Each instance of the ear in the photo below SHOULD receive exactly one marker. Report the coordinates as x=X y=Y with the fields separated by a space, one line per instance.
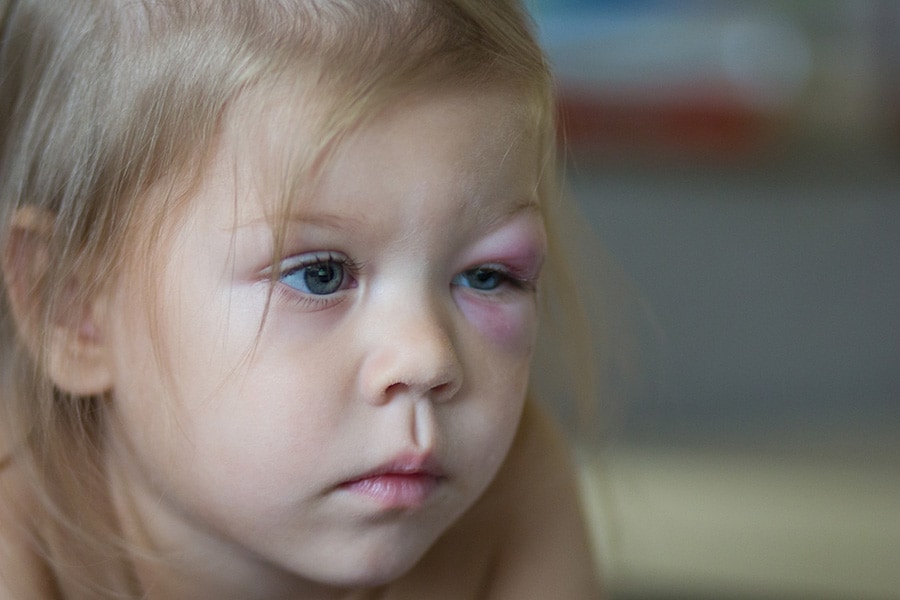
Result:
x=60 y=332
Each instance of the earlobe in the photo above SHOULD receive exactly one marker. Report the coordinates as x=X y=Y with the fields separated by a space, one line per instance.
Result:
x=77 y=358
x=60 y=329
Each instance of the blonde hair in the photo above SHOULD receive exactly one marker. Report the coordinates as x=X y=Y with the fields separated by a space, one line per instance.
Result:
x=102 y=100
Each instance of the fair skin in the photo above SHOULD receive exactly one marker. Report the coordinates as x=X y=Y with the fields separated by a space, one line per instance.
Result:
x=369 y=433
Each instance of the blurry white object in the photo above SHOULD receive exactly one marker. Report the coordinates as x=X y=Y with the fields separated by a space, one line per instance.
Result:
x=646 y=57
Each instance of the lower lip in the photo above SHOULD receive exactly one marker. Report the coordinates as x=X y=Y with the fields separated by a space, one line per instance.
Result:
x=395 y=491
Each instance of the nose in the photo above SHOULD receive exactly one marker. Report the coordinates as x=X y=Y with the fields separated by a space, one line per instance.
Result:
x=411 y=352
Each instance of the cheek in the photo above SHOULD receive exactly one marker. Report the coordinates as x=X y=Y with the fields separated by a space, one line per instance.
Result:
x=508 y=325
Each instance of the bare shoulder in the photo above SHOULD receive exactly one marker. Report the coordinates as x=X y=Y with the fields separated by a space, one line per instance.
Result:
x=545 y=551
x=524 y=539
x=22 y=574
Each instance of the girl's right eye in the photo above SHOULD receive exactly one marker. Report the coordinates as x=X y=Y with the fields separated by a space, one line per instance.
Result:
x=317 y=274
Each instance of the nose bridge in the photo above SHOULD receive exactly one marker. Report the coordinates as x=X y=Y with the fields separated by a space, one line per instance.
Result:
x=412 y=349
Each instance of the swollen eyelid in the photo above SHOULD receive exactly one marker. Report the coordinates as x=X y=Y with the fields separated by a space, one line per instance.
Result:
x=483 y=279
x=519 y=247
x=493 y=279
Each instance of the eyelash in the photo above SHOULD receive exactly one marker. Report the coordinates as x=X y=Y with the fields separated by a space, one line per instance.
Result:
x=308 y=299
x=509 y=280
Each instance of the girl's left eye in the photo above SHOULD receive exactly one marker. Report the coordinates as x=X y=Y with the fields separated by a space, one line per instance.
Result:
x=483 y=279
x=316 y=274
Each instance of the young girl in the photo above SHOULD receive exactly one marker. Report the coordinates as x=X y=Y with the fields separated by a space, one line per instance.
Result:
x=273 y=271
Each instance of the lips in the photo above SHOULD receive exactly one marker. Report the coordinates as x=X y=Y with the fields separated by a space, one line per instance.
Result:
x=405 y=483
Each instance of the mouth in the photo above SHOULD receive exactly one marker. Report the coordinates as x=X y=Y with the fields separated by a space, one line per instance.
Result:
x=406 y=483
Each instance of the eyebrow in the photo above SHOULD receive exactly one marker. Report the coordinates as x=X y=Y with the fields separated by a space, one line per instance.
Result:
x=523 y=205
x=338 y=222
x=324 y=220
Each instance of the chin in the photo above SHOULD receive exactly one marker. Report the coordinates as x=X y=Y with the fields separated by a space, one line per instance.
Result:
x=378 y=568
x=368 y=578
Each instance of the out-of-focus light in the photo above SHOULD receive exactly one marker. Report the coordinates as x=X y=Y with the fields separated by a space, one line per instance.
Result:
x=658 y=58
x=769 y=62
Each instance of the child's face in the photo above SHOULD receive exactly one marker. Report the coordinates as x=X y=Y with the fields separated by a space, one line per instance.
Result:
x=384 y=389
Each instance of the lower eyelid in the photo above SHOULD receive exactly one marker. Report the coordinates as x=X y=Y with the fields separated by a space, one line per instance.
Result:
x=510 y=285
x=307 y=302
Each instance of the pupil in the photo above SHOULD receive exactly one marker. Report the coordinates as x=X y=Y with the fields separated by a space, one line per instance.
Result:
x=485 y=279
x=323 y=278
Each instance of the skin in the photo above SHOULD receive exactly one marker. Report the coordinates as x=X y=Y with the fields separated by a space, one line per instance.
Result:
x=237 y=443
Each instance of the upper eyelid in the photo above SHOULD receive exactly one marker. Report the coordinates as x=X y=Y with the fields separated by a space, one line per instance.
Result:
x=309 y=258
x=509 y=271
x=299 y=260
x=509 y=276
x=498 y=268
x=280 y=272
x=295 y=261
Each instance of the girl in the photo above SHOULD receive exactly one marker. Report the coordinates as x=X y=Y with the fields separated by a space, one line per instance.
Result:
x=272 y=270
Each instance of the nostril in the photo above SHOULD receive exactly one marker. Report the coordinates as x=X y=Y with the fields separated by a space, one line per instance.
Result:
x=444 y=391
x=420 y=361
x=394 y=389
x=440 y=391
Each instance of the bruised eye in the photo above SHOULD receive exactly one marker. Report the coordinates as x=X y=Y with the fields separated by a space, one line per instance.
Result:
x=316 y=275
x=483 y=279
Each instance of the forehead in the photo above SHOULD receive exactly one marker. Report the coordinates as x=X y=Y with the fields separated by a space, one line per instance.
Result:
x=293 y=154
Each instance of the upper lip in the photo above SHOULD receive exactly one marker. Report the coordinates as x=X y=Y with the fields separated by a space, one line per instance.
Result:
x=404 y=464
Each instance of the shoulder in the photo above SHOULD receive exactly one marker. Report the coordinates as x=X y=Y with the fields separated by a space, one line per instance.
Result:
x=545 y=549
x=524 y=538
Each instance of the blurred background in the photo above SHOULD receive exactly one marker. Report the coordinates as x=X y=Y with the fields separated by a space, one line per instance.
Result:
x=741 y=162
